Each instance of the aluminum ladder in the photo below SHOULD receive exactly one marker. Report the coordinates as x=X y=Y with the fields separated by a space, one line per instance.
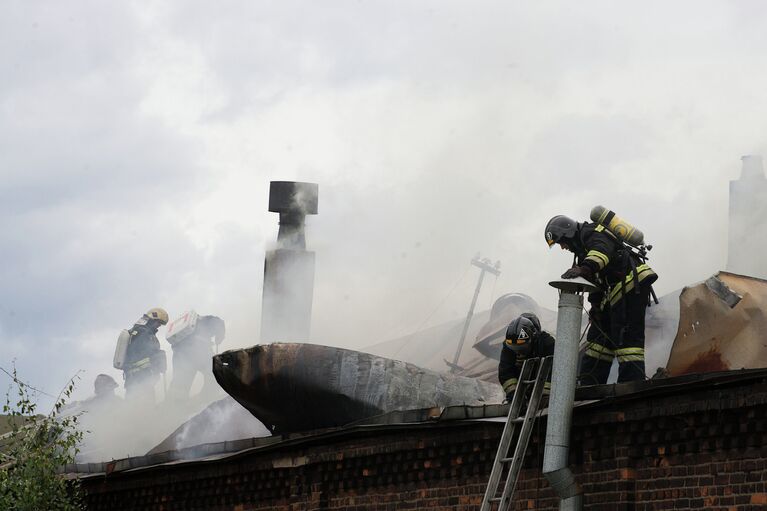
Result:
x=502 y=458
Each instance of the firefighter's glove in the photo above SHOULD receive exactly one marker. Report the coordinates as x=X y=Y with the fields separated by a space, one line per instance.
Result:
x=578 y=271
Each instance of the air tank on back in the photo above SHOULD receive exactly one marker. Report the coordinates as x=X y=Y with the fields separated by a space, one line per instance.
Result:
x=622 y=230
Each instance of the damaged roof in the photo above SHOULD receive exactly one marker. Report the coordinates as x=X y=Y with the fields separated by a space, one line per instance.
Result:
x=588 y=398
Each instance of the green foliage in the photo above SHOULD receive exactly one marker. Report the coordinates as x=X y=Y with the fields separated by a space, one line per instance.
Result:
x=34 y=451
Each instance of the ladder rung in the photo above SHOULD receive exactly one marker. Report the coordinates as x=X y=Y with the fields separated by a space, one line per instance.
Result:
x=517 y=420
x=495 y=499
x=528 y=381
x=506 y=460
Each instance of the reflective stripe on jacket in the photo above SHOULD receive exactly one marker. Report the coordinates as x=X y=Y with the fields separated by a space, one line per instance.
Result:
x=611 y=262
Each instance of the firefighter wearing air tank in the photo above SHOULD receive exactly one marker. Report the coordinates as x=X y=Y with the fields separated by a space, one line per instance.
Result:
x=144 y=360
x=603 y=255
x=192 y=337
x=524 y=339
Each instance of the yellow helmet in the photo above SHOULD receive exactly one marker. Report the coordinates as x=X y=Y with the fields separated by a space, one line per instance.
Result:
x=158 y=314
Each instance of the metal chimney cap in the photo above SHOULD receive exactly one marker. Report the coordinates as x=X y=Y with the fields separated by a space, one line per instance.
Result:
x=293 y=197
x=576 y=285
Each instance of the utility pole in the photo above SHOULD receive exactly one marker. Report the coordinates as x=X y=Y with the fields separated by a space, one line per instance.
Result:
x=485 y=265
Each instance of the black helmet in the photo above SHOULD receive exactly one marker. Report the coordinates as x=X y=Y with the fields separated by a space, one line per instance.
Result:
x=519 y=335
x=560 y=228
x=532 y=317
x=104 y=384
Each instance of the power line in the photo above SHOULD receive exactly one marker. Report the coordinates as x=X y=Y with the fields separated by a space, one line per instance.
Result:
x=15 y=379
x=441 y=303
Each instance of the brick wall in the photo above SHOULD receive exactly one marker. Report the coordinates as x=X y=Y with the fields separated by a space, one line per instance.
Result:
x=693 y=449
x=435 y=467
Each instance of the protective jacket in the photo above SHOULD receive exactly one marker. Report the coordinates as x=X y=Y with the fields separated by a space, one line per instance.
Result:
x=616 y=269
x=510 y=366
x=617 y=312
x=143 y=348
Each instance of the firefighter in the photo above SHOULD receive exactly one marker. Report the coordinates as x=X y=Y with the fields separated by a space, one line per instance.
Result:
x=104 y=397
x=524 y=339
x=104 y=387
x=193 y=354
x=617 y=312
x=144 y=360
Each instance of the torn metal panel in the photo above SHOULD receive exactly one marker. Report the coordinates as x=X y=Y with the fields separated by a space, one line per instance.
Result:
x=221 y=421
x=295 y=387
x=724 y=293
x=722 y=326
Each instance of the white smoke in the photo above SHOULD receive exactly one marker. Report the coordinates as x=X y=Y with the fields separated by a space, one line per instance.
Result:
x=747 y=228
x=118 y=428
x=142 y=167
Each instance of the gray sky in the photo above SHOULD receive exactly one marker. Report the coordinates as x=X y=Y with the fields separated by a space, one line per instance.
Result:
x=137 y=141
